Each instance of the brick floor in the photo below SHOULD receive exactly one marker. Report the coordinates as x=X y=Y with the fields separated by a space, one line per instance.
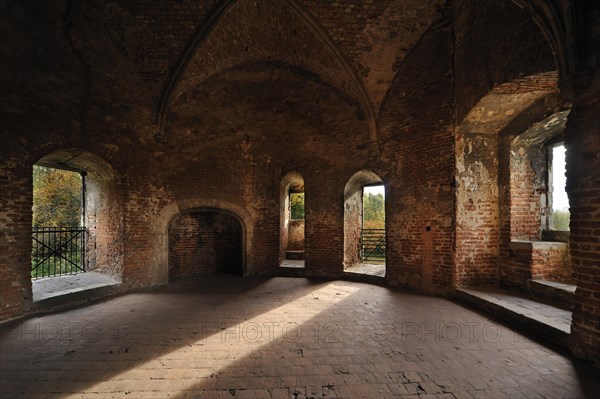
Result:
x=232 y=337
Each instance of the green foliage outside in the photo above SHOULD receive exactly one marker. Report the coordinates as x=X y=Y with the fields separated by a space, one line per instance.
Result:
x=56 y=203
x=56 y=197
x=373 y=211
x=560 y=220
x=53 y=266
x=297 y=206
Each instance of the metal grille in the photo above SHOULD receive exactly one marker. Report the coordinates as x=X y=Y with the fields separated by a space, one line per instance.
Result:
x=372 y=245
x=57 y=251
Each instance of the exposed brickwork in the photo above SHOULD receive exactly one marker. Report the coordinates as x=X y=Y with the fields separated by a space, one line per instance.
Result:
x=324 y=223
x=234 y=42
x=166 y=28
x=376 y=35
x=539 y=82
x=15 y=237
x=296 y=235
x=144 y=264
x=525 y=204
x=291 y=182
x=523 y=51
x=527 y=184
x=416 y=137
x=205 y=242
x=353 y=214
x=534 y=260
x=582 y=140
x=551 y=261
x=477 y=211
x=501 y=179
x=279 y=86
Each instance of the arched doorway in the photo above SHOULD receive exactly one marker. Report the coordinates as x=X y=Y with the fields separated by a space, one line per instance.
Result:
x=205 y=241
x=77 y=223
x=291 y=230
x=364 y=224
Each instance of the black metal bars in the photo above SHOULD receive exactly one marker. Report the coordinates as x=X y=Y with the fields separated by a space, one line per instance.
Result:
x=372 y=245
x=57 y=251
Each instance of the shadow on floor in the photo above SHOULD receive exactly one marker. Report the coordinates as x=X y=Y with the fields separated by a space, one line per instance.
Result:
x=226 y=336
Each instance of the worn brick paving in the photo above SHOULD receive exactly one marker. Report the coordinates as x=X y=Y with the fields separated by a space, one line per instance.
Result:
x=230 y=337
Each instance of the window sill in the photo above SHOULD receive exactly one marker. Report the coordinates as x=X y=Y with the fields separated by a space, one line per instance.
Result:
x=537 y=245
x=556 y=235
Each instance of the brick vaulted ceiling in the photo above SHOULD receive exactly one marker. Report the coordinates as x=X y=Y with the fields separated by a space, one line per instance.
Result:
x=353 y=47
x=164 y=69
x=372 y=36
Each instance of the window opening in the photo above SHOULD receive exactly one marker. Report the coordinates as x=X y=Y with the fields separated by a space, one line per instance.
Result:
x=558 y=201
x=296 y=206
x=373 y=224
x=58 y=232
x=292 y=221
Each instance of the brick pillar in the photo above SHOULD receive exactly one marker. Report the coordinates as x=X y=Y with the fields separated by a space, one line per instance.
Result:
x=16 y=198
x=582 y=140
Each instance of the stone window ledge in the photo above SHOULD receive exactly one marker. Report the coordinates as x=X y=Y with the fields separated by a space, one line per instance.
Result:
x=516 y=245
x=556 y=235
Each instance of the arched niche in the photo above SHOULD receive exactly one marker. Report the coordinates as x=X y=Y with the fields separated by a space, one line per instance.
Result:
x=103 y=210
x=205 y=240
x=502 y=185
x=291 y=229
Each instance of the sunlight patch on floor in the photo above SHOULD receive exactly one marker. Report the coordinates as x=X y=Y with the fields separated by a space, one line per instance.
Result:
x=221 y=345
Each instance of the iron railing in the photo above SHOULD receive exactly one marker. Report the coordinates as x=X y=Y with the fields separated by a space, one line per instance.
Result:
x=57 y=251
x=372 y=245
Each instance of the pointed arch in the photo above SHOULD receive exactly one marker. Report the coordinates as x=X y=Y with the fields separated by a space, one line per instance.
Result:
x=352 y=84
x=552 y=25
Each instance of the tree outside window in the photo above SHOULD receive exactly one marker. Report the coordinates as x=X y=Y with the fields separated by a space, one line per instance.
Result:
x=296 y=206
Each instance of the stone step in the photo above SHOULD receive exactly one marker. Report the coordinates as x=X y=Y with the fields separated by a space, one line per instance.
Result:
x=78 y=297
x=546 y=321
x=555 y=293
x=65 y=291
x=294 y=255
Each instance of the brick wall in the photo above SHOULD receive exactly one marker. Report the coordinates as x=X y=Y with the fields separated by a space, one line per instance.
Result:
x=527 y=260
x=90 y=75
x=353 y=213
x=481 y=68
x=500 y=179
x=205 y=242
x=523 y=155
x=417 y=138
x=15 y=237
x=291 y=182
x=324 y=222
x=104 y=220
x=582 y=140
x=376 y=35
x=528 y=169
x=296 y=235
x=551 y=261
x=477 y=211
